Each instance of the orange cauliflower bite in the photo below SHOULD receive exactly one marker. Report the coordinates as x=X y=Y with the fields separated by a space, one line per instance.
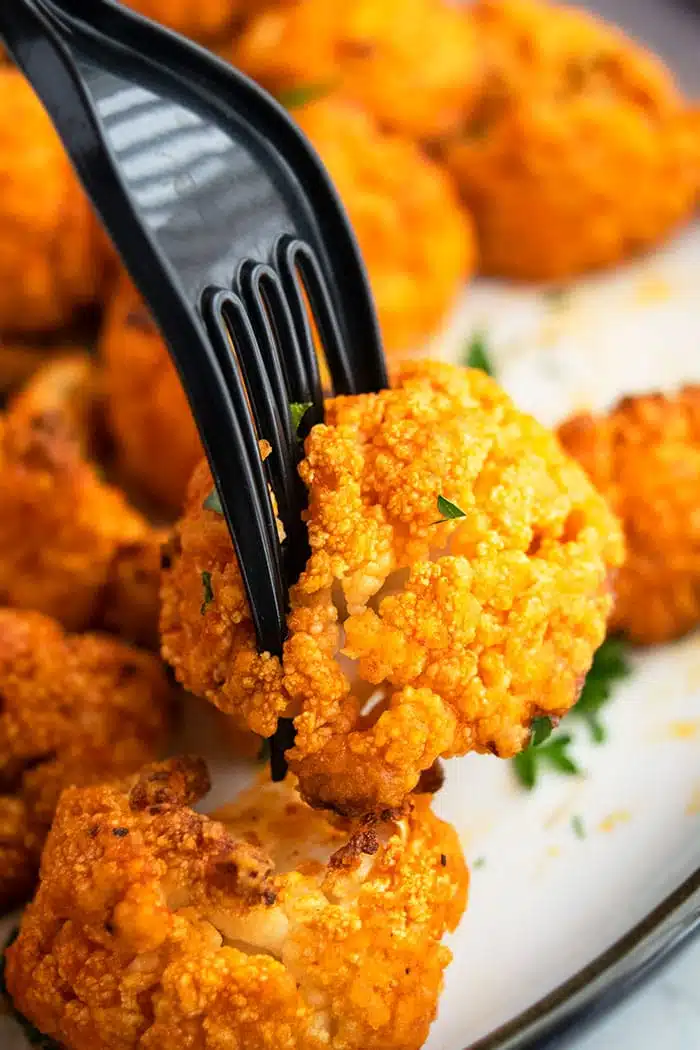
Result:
x=75 y=710
x=411 y=63
x=269 y=928
x=53 y=254
x=70 y=545
x=580 y=151
x=644 y=456
x=416 y=239
x=408 y=639
x=156 y=442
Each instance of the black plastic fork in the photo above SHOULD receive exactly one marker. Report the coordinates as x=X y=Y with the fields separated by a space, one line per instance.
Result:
x=231 y=229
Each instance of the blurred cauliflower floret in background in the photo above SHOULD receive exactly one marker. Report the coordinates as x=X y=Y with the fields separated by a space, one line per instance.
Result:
x=580 y=151
x=412 y=64
x=203 y=20
x=53 y=253
x=416 y=239
x=408 y=638
x=76 y=709
x=156 y=443
x=644 y=456
x=70 y=544
x=270 y=930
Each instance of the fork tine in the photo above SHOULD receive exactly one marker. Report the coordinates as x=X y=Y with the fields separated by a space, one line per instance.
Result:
x=270 y=424
x=262 y=363
x=258 y=547
x=250 y=282
x=286 y=252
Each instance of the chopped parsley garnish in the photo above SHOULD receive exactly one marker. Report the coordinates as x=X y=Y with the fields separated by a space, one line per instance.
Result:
x=609 y=666
x=31 y=1034
x=208 y=592
x=578 y=827
x=477 y=354
x=212 y=502
x=552 y=755
x=297 y=411
x=480 y=862
x=448 y=511
x=541 y=730
x=302 y=94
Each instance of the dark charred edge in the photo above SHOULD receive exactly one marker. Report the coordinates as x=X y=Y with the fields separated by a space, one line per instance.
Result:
x=431 y=780
x=177 y=782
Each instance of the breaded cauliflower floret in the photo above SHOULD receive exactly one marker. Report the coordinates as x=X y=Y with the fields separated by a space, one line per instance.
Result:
x=53 y=253
x=581 y=151
x=408 y=639
x=412 y=64
x=156 y=442
x=70 y=545
x=644 y=457
x=76 y=709
x=267 y=929
x=402 y=205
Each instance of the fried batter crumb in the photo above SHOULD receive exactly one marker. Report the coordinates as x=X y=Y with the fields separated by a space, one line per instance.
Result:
x=153 y=923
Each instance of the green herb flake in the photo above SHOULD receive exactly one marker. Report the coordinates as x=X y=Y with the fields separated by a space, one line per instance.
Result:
x=554 y=755
x=213 y=502
x=297 y=411
x=541 y=730
x=480 y=862
x=33 y=1036
x=301 y=94
x=578 y=827
x=610 y=665
x=448 y=511
x=477 y=354
x=208 y=592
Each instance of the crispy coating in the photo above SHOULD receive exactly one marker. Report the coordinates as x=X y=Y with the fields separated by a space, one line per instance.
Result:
x=53 y=257
x=411 y=63
x=401 y=205
x=272 y=930
x=581 y=151
x=70 y=545
x=460 y=632
x=644 y=456
x=156 y=441
x=75 y=709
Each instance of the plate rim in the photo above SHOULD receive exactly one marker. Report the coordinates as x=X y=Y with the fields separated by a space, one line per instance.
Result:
x=608 y=979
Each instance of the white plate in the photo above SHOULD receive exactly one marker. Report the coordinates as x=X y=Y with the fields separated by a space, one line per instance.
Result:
x=545 y=903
